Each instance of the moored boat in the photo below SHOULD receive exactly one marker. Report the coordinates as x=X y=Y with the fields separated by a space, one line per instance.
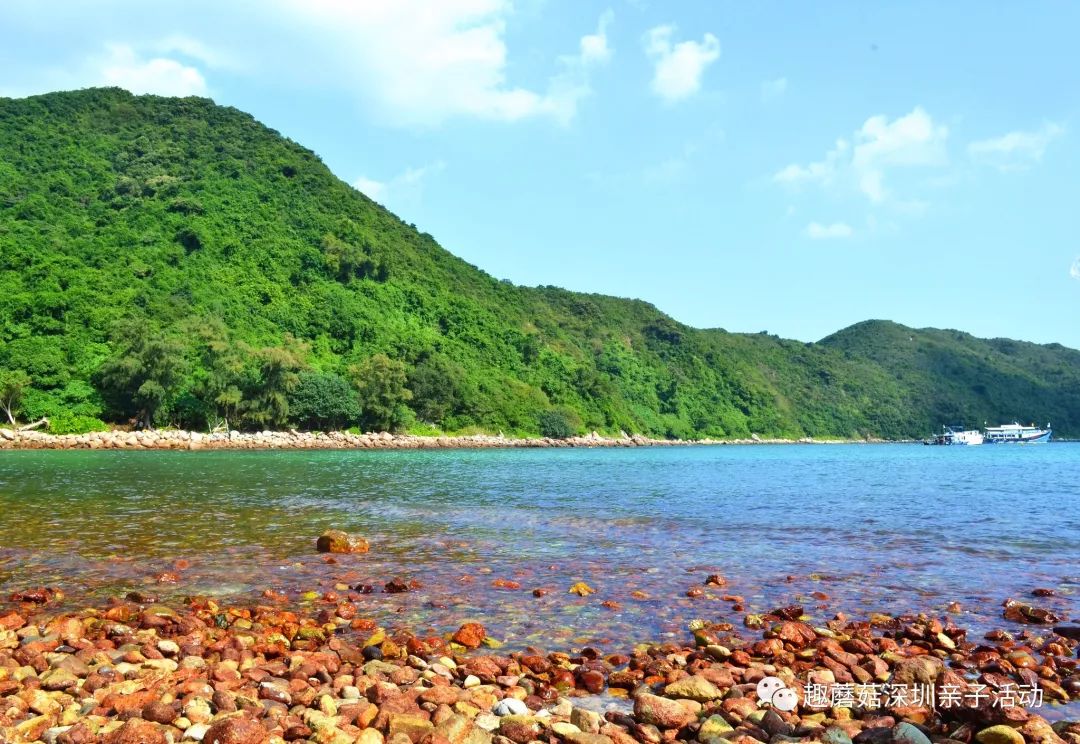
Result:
x=956 y=435
x=1016 y=433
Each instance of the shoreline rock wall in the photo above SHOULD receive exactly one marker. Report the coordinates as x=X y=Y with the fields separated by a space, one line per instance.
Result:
x=193 y=440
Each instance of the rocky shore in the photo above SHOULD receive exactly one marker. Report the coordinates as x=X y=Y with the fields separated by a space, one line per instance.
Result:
x=167 y=439
x=134 y=672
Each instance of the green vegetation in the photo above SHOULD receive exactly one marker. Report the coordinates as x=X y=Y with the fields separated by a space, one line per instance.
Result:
x=173 y=262
x=559 y=424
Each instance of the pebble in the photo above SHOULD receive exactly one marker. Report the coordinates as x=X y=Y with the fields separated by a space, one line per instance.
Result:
x=510 y=707
x=999 y=734
x=292 y=679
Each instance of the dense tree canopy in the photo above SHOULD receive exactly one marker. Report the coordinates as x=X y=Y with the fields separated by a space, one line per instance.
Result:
x=177 y=263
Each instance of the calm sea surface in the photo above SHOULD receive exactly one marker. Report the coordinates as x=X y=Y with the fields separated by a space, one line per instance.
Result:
x=874 y=527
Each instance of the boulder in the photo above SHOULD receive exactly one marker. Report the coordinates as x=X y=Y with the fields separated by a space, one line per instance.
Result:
x=470 y=635
x=235 y=730
x=136 y=731
x=336 y=541
x=661 y=712
x=693 y=688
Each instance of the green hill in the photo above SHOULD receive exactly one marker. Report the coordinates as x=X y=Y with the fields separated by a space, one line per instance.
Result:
x=176 y=261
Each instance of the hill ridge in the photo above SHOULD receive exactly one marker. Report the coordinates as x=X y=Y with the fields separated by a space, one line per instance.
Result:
x=138 y=230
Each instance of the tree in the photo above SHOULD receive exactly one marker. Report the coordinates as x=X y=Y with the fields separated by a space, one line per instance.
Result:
x=435 y=384
x=279 y=373
x=381 y=387
x=323 y=400
x=222 y=374
x=13 y=384
x=144 y=374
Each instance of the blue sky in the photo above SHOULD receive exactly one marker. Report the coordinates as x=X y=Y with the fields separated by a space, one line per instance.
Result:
x=790 y=167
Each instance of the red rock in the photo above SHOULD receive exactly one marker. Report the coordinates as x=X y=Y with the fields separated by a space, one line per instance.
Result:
x=1023 y=613
x=694 y=592
x=131 y=703
x=80 y=733
x=296 y=733
x=235 y=730
x=12 y=621
x=159 y=712
x=37 y=595
x=470 y=635
x=592 y=680
x=796 y=633
x=541 y=592
x=661 y=712
x=136 y=731
x=441 y=695
x=793 y=612
x=519 y=729
x=396 y=586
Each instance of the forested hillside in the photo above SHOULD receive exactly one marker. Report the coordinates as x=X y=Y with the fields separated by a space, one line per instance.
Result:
x=173 y=262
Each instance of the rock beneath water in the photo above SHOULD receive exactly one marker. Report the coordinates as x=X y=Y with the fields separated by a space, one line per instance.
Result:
x=510 y=707
x=661 y=712
x=336 y=541
x=1068 y=631
x=694 y=688
x=907 y=733
x=1025 y=613
x=999 y=735
x=470 y=635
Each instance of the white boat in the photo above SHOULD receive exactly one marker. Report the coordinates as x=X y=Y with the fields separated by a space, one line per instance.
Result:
x=957 y=435
x=1015 y=433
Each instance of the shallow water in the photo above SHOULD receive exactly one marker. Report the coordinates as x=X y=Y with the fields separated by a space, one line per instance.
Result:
x=885 y=528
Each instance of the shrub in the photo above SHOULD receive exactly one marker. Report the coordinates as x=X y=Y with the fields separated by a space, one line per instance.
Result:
x=69 y=423
x=559 y=424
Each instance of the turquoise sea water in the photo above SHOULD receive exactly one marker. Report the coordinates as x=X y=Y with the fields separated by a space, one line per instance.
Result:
x=874 y=527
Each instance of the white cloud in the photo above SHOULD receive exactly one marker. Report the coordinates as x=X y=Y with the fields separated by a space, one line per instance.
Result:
x=403 y=191
x=817 y=231
x=679 y=66
x=124 y=67
x=418 y=63
x=773 y=89
x=186 y=46
x=374 y=190
x=878 y=146
x=1074 y=270
x=594 y=47
x=1015 y=150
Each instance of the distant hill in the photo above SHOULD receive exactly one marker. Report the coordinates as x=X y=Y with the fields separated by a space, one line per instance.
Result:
x=176 y=261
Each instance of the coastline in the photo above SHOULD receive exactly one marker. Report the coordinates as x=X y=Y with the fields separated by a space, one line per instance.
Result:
x=13 y=439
